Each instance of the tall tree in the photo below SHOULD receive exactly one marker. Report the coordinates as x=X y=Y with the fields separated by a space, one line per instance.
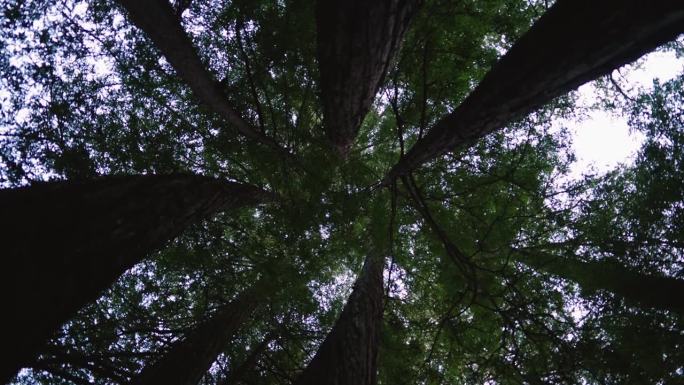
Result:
x=350 y=351
x=158 y=20
x=66 y=242
x=238 y=373
x=357 y=41
x=188 y=360
x=612 y=33
x=91 y=88
x=639 y=289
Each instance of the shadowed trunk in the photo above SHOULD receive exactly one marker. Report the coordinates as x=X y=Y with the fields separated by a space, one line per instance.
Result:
x=161 y=24
x=574 y=42
x=238 y=374
x=639 y=289
x=348 y=356
x=189 y=359
x=357 y=40
x=54 y=357
x=65 y=242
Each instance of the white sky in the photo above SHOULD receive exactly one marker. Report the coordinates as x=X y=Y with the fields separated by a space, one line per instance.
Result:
x=603 y=140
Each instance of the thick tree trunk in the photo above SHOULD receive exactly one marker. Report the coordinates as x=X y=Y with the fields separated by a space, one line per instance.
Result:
x=348 y=356
x=65 y=242
x=357 y=40
x=574 y=42
x=639 y=289
x=189 y=359
x=159 y=21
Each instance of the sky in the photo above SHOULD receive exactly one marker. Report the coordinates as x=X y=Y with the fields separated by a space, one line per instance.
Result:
x=603 y=140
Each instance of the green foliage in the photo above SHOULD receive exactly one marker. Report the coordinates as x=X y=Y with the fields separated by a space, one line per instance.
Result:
x=84 y=93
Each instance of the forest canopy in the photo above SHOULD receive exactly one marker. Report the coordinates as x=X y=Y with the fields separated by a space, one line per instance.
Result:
x=336 y=192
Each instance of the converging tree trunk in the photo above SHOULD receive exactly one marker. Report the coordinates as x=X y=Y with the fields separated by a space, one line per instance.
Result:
x=348 y=356
x=357 y=40
x=574 y=42
x=238 y=373
x=189 y=359
x=65 y=242
x=639 y=289
x=162 y=25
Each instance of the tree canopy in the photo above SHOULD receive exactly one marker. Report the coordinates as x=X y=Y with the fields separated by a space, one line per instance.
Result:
x=335 y=192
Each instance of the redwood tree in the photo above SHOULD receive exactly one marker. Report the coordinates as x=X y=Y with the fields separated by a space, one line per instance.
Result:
x=640 y=289
x=356 y=42
x=582 y=40
x=349 y=353
x=443 y=119
x=189 y=359
x=66 y=242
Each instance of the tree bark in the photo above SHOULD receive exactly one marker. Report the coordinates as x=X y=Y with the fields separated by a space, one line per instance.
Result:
x=357 y=40
x=649 y=291
x=159 y=21
x=574 y=42
x=65 y=242
x=189 y=359
x=348 y=356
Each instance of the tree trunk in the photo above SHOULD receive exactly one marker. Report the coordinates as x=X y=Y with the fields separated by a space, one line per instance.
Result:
x=357 y=40
x=190 y=359
x=65 y=242
x=162 y=25
x=639 y=289
x=574 y=42
x=348 y=356
x=238 y=373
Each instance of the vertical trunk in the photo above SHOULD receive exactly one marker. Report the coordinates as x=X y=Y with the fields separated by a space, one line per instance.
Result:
x=189 y=359
x=574 y=42
x=348 y=356
x=639 y=289
x=357 y=40
x=65 y=242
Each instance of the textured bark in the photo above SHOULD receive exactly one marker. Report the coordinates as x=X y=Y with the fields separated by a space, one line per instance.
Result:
x=161 y=24
x=348 y=356
x=639 y=289
x=65 y=242
x=574 y=42
x=189 y=359
x=357 y=40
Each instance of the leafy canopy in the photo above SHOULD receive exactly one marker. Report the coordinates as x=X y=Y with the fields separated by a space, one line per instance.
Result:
x=85 y=93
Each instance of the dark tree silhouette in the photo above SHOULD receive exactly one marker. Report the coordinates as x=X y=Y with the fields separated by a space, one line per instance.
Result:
x=574 y=42
x=636 y=288
x=65 y=242
x=189 y=359
x=356 y=41
x=158 y=20
x=349 y=353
